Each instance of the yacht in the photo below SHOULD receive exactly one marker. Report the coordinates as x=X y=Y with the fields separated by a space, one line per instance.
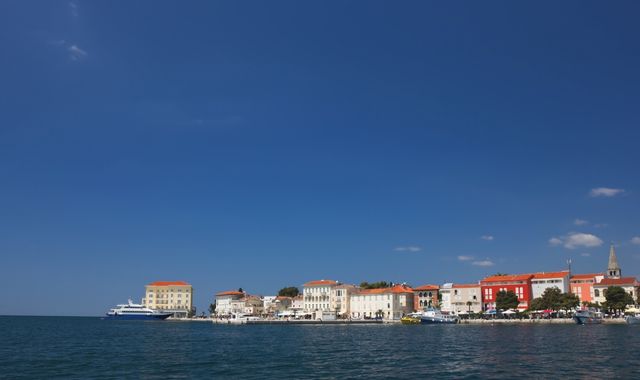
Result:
x=435 y=316
x=587 y=317
x=131 y=310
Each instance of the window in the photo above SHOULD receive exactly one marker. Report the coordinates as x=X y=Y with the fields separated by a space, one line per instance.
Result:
x=455 y=292
x=596 y=292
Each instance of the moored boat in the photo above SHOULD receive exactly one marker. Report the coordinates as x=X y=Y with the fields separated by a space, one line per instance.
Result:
x=632 y=319
x=411 y=319
x=435 y=316
x=132 y=311
x=587 y=317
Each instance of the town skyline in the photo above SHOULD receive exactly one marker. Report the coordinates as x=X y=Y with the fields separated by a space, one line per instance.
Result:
x=266 y=145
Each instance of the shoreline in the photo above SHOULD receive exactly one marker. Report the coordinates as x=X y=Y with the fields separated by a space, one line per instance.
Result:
x=490 y=322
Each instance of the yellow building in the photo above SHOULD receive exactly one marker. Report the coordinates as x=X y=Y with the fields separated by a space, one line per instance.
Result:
x=175 y=296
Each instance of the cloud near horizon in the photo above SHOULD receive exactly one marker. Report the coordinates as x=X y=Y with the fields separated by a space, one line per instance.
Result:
x=635 y=240
x=576 y=239
x=465 y=258
x=483 y=263
x=606 y=192
x=411 y=248
x=580 y=222
x=487 y=237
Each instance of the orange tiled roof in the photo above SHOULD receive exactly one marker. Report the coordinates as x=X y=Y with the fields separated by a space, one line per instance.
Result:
x=460 y=286
x=514 y=277
x=321 y=282
x=426 y=287
x=563 y=273
x=393 y=289
x=169 y=283
x=618 y=281
x=230 y=293
x=587 y=276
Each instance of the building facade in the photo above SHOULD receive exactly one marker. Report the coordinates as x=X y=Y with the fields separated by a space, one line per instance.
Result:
x=444 y=292
x=387 y=303
x=169 y=296
x=225 y=300
x=465 y=298
x=318 y=296
x=341 y=299
x=425 y=296
x=544 y=280
x=582 y=285
x=629 y=284
x=519 y=284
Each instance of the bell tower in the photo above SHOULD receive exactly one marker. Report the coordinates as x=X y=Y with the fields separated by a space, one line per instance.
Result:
x=613 y=271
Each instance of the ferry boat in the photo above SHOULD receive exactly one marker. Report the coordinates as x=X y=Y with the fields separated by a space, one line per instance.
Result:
x=587 y=317
x=435 y=316
x=132 y=311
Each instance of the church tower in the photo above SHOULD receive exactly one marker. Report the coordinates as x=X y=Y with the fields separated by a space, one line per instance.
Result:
x=613 y=271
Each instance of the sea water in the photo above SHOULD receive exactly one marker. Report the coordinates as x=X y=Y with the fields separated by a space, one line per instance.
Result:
x=93 y=348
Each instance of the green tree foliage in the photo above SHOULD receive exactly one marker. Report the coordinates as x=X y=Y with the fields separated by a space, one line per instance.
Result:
x=212 y=308
x=290 y=291
x=376 y=285
x=537 y=304
x=240 y=290
x=617 y=299
x=552 y=299
x=506 y=300
x=569 y=301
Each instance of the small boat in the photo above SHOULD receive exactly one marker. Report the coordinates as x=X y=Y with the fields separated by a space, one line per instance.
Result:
x=632 y=319
x=587 y=317
x=132 y=311
x=435 y=316
x=241 y=319
x=410 y=319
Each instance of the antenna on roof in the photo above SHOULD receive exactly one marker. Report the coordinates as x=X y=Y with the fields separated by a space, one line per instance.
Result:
x=569 y=264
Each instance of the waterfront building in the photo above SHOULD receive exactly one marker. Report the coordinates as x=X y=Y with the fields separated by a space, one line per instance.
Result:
x=170 y=296
x=582 y=285
x=445 y=291
x=425 y=296
x=318 y=297
x=250 y=305
x=520 y=284
x=542 y=281
x=387 y=303
x=629 y=284
x=465 y=298
x=224 y=302
x=340 y=299
x=267 y=303
x=297 y=304
x=280 y=304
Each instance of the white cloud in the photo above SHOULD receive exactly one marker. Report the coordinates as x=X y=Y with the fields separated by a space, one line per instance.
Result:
x=411 y=248
x=605 y=192
x=554 y=241
x=585 y=254
x=75 y=53
x=575 y=240
x=486 y=237
x=580 y=222
x=73 y=8
x=465 y=258
x=635 y=240
x=483 y=263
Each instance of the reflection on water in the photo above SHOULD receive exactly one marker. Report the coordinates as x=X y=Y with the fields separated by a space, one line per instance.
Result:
x=46 y=347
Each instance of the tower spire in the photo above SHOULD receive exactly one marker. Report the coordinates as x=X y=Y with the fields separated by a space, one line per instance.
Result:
x=613 y=270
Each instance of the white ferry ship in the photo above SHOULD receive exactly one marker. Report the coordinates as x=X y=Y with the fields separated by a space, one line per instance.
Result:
x=131 y=311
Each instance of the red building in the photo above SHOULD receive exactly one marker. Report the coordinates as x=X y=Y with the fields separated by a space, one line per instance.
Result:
x=582 y=285
x=425 y=296
x=520 y=284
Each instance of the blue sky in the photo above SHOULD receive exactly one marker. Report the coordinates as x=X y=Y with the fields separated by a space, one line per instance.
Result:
x=262 y=145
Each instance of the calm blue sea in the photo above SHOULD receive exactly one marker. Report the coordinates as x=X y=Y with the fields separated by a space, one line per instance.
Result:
x=92 y=348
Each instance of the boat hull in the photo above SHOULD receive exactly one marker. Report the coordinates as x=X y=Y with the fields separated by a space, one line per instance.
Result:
x=437 y=321
x=153 y=317
x=586 y=320
x=633 y=320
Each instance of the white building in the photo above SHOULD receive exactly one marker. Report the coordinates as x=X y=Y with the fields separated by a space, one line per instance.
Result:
x=446 y=297
x=387 y=303
x=268 y=303
x=545 y=280
x=225 y=302
x=341 y=299
x=318 y=297
x=464 y=298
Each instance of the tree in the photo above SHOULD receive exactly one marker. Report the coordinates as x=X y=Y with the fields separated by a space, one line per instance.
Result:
x=552 y=298
x=375 y=285
x=290 y=291
x=506 y=300
x=617 y=299
x=569 y=301
x=537 y=304
x=500 y=274
x=212 y=308
x=240 y=290
x=191 y=312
